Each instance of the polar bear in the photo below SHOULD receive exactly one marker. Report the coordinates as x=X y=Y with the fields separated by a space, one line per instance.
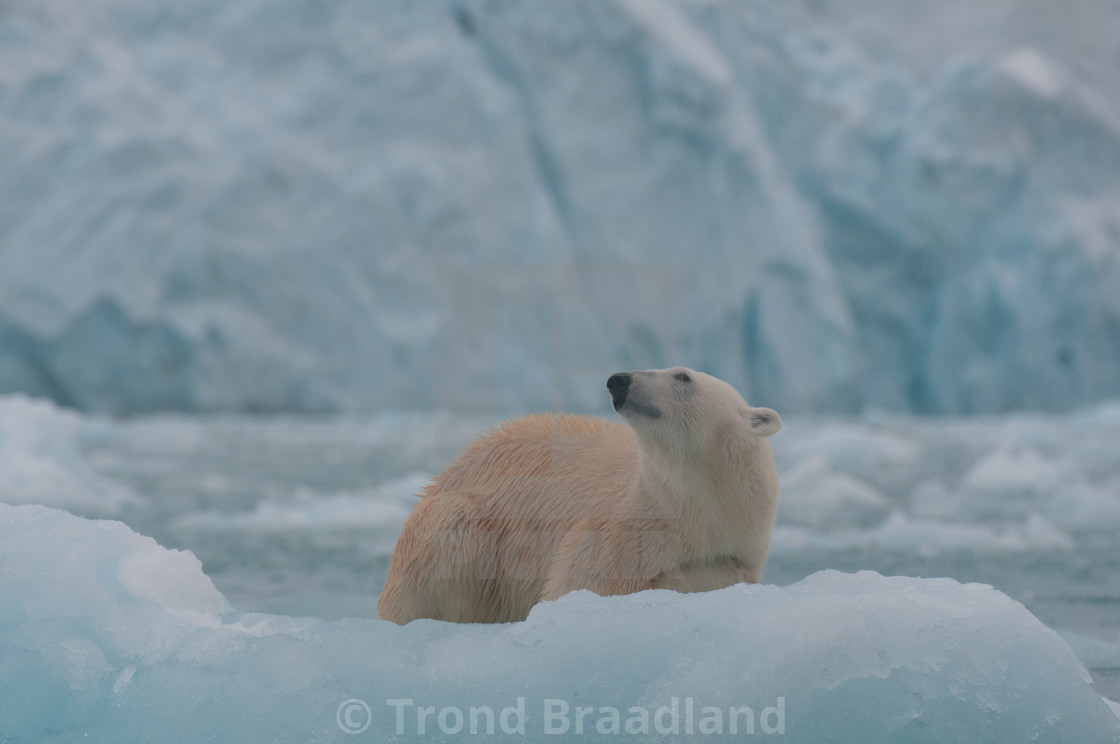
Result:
x=683 y=498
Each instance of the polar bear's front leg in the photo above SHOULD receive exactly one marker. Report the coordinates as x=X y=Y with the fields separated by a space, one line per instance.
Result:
x=610 y=557
x=705 y=577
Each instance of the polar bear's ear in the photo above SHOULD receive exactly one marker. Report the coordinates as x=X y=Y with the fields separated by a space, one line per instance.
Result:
x=763 y=421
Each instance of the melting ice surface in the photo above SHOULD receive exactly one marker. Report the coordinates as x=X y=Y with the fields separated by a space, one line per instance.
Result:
x=104 y=632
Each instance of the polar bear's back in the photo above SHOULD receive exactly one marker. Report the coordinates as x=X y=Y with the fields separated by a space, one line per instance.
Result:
x=479 y=544
x=556 y=467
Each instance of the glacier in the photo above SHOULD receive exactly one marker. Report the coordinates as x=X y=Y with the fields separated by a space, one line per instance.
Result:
x=107 y=636
x=487 y=207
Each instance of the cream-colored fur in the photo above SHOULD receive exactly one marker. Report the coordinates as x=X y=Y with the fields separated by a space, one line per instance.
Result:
x=683 y=498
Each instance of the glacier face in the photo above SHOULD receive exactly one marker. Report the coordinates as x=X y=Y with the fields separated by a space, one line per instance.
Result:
x=474 y=204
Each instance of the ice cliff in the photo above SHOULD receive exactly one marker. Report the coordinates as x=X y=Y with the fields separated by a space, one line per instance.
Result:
x=294 y=205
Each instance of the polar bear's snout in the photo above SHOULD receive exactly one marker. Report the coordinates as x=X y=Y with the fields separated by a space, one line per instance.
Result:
x=630 y=398
x=619 y=386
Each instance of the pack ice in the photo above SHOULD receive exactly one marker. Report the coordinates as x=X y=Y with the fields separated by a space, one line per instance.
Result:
x=107 y=636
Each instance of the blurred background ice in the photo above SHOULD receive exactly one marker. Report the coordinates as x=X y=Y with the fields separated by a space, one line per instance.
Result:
x=387 y=224
x=304 y=206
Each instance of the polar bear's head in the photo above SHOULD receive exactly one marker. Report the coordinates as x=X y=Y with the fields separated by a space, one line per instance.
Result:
x=678 y=410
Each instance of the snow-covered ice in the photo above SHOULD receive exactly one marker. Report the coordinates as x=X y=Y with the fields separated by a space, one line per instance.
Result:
x=108 y=636
x=270 y=205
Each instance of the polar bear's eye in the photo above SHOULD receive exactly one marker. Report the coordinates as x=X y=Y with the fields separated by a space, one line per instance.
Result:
x=682 y=377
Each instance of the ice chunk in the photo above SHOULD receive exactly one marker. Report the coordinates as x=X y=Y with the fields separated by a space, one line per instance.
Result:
x=1014 y=482
x=814 y=495
x=109 y=637
x=41 y=461
x=927 y=537
x=1095 y=652
x=1087 y=506
x=386 y=505
x=1013 y=470
x=868 y=451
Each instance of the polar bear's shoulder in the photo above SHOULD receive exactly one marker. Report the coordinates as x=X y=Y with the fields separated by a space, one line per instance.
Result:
x=547 y=425
x=536 y=444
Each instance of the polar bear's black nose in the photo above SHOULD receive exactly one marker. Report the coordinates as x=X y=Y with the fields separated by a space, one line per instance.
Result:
x=619 y=381
x=619 y=384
